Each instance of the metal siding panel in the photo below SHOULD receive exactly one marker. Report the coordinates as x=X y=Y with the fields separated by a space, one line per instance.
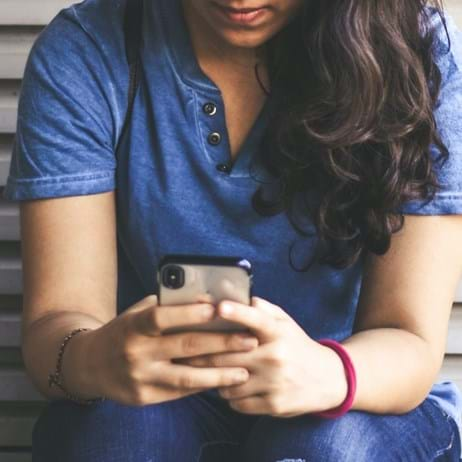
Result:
x=10 y=268
x=6 y=146
x=9 y=94
x=454 y=7
x=458 y=297
x=15 y=385
x=454 y=340
x=452 y=369
x=9 y=220
x=10 y=329
x=16 y=423
x=15 y=46
x=30 y=12
x=23 y=456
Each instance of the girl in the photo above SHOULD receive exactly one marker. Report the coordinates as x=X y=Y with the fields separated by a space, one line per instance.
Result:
x=322 y=141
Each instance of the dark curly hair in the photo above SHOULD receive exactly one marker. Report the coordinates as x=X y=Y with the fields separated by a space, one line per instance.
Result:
x=354 y=85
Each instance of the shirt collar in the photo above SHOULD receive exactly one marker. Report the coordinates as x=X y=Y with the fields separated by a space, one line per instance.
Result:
x=179 y=46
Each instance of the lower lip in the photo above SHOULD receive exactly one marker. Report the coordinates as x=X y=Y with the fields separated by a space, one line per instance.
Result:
x=242 y=18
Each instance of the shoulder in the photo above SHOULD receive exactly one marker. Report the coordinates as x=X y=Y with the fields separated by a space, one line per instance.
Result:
x=80 y=56
x=447 y=46
x=91 y=28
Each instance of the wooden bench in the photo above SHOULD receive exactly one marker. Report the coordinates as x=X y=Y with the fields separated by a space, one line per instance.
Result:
x=20 y=402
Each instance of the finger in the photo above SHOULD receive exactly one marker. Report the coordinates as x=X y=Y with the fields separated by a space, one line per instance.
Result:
x=272 y=309
x=155 y=319
x=257 y=404
x=150 y=300
x=189 y=344
x=252 y=387
x=261 y=404
x=245 y=359
x=162 y=393
x=186 y=377
x=258 y=321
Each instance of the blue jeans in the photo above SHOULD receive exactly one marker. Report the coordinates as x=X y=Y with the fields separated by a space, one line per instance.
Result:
x=203 y=428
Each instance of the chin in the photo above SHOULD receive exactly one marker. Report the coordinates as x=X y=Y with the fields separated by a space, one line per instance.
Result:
x=244 y=39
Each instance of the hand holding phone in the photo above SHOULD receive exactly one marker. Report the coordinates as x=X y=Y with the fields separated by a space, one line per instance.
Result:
x=137 y=364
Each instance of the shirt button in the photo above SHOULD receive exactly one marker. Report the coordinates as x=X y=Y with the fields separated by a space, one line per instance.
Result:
x=210 y=109
x=214 y=138
x=225 y=168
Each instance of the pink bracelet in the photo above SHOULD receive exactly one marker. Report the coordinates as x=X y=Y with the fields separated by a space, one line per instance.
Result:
x=351 y=380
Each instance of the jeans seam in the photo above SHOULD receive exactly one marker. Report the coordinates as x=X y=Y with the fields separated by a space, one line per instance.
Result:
x=449 y=420
x=209 y=443
x=444 y=450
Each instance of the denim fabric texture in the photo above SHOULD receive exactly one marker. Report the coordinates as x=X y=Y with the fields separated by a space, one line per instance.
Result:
x=171 y=198
x=203 y=428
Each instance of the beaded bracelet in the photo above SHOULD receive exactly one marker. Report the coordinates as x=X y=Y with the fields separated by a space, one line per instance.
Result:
x=57 y=379
x=350 y=376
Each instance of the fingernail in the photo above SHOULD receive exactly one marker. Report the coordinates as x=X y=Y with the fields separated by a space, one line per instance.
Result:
x=226 y=308
x=207 y=311
x=241 y=375
x=246 y=339
x=249 y=341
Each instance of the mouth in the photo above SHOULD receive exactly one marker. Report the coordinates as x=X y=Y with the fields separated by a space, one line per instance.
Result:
x=242 y=10
x=241 y=15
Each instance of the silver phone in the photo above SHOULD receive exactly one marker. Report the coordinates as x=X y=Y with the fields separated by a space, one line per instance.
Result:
x=185 y=279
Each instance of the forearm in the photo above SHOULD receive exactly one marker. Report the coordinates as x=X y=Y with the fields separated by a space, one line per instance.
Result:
x=394 y=370
x=40 y=346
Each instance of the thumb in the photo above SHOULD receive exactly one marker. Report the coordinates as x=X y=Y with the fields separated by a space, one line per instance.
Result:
x=141 y=314
x=273 y=310
x=150 y=300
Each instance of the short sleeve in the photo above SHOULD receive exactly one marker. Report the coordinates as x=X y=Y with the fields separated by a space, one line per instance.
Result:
x=448 y=116
x=65 y=131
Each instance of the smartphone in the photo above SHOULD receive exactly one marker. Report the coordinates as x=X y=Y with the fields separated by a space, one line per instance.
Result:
x=184 y=279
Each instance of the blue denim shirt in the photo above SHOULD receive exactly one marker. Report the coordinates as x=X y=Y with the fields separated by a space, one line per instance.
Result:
x=171 y=196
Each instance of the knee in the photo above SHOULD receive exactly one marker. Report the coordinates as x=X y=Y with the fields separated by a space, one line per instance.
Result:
x=104 y=431
x=350 y=438
x=307 y=439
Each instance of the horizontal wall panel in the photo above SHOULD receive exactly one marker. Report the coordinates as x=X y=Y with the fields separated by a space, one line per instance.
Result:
x=15 y=385
x=6 y=148
x=452 y=369
x=9 y=220
x=15 y=46
x=11 y=303
x=11 y=358
x=20 y=456
x=10 y=329
x=10 y=268
x=454 y=7
x=454 y=340
x=17 y=421
x=458 y=297
x=9 y=94
x=30 y=12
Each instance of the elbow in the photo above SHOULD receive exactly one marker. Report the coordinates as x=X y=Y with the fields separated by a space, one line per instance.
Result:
x=430 y=357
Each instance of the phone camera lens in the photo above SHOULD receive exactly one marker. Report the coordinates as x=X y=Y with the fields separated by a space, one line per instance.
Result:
x=173 y=277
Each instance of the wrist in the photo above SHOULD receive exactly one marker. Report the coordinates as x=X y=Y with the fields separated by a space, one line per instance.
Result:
x=337 y=384
x=80 y=365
